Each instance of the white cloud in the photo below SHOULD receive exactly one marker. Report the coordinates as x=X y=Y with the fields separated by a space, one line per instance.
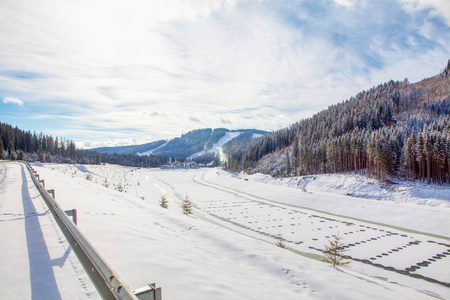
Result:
x=438 y=7
x=347 y=3
x=13 y=101
x=154 y=69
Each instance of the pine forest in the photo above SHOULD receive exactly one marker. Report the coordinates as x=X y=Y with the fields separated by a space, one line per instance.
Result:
x=396 y=129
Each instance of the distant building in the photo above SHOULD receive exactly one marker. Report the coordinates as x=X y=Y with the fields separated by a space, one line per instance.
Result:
x=189 y=164
x=181 y=165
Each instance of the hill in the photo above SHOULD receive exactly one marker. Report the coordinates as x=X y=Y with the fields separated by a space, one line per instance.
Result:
x=130 y=149
x=195 y=143
x=395 y=129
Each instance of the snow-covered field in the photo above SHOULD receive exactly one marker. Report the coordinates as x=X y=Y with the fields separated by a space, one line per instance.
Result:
x=226 y=250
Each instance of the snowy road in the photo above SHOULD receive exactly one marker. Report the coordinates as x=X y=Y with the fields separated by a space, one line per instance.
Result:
x=227 y=249
x=36 y=261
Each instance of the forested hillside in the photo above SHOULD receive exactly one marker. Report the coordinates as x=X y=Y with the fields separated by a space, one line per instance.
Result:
x=189 y=144
x=394 y=129
x=134 y=149
x=24 y=145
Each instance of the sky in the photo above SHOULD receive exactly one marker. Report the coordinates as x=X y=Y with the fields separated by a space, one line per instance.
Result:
x=110 y=73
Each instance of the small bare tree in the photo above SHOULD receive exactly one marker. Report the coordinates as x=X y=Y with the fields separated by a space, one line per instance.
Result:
x=187 y=205
x=164 y=202
x=334 y=252
x=280 y=243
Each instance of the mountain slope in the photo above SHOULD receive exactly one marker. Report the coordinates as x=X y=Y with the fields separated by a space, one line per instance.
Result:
x=394 y=129
x=194 y=143
x=130 y=149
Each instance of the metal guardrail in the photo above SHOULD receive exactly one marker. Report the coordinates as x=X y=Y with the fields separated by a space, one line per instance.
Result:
x=107 y=282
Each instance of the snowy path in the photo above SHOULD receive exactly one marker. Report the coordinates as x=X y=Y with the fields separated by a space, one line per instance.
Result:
x=36 y=260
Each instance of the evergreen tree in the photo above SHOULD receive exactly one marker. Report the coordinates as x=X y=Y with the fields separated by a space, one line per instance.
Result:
x=334 y=252
x=1 y=149
x=406 y=158
x=428 y=147
x=288 y=164
x=164 y=202
x=295 y=155
x=20 y=155
x=41 y=155
x=11 y=152
x=186 y=205
x=439 y=158
x=420 y=157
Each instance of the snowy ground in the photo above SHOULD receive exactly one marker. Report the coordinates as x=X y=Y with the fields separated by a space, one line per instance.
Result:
x=227 y=248
x=363 y=187
x=36 y=261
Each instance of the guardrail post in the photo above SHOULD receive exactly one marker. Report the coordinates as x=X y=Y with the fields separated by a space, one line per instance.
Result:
x=72 y=213
x=42 y=182
x=52 y=192
x=149 y=292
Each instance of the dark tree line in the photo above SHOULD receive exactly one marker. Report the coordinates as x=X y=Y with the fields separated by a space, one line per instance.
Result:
x=24 y=145
x=394 y=129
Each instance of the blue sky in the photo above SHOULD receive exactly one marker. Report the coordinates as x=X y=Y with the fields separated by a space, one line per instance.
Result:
x=109 y=73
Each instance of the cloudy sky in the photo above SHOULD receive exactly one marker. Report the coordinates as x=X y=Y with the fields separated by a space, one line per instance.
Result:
x=126 y=72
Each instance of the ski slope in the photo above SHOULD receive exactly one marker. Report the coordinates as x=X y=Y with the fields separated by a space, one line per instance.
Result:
x=227 y=248
x=217 y=147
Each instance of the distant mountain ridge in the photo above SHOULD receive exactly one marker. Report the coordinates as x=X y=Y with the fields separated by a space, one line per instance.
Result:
x=193 y=143
x=130 y=149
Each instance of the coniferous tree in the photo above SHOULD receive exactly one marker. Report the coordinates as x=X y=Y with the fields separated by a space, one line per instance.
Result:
x=20 y=155
x=427 y=148
x=295 y=155
x=420 y=157
x=1 y=149
x=11 y=152
x=288 y=164
x=41 y=155
x=439 y=157
x=407 y=158
x=164 y=202
x=334 y=252
x=186 y=205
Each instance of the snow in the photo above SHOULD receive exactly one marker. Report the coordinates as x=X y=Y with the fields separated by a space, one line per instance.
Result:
x=153 y=150
x=257 y=135
x=36 y=260
x=217 y=147
x=227 y=248
x=363 y=187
